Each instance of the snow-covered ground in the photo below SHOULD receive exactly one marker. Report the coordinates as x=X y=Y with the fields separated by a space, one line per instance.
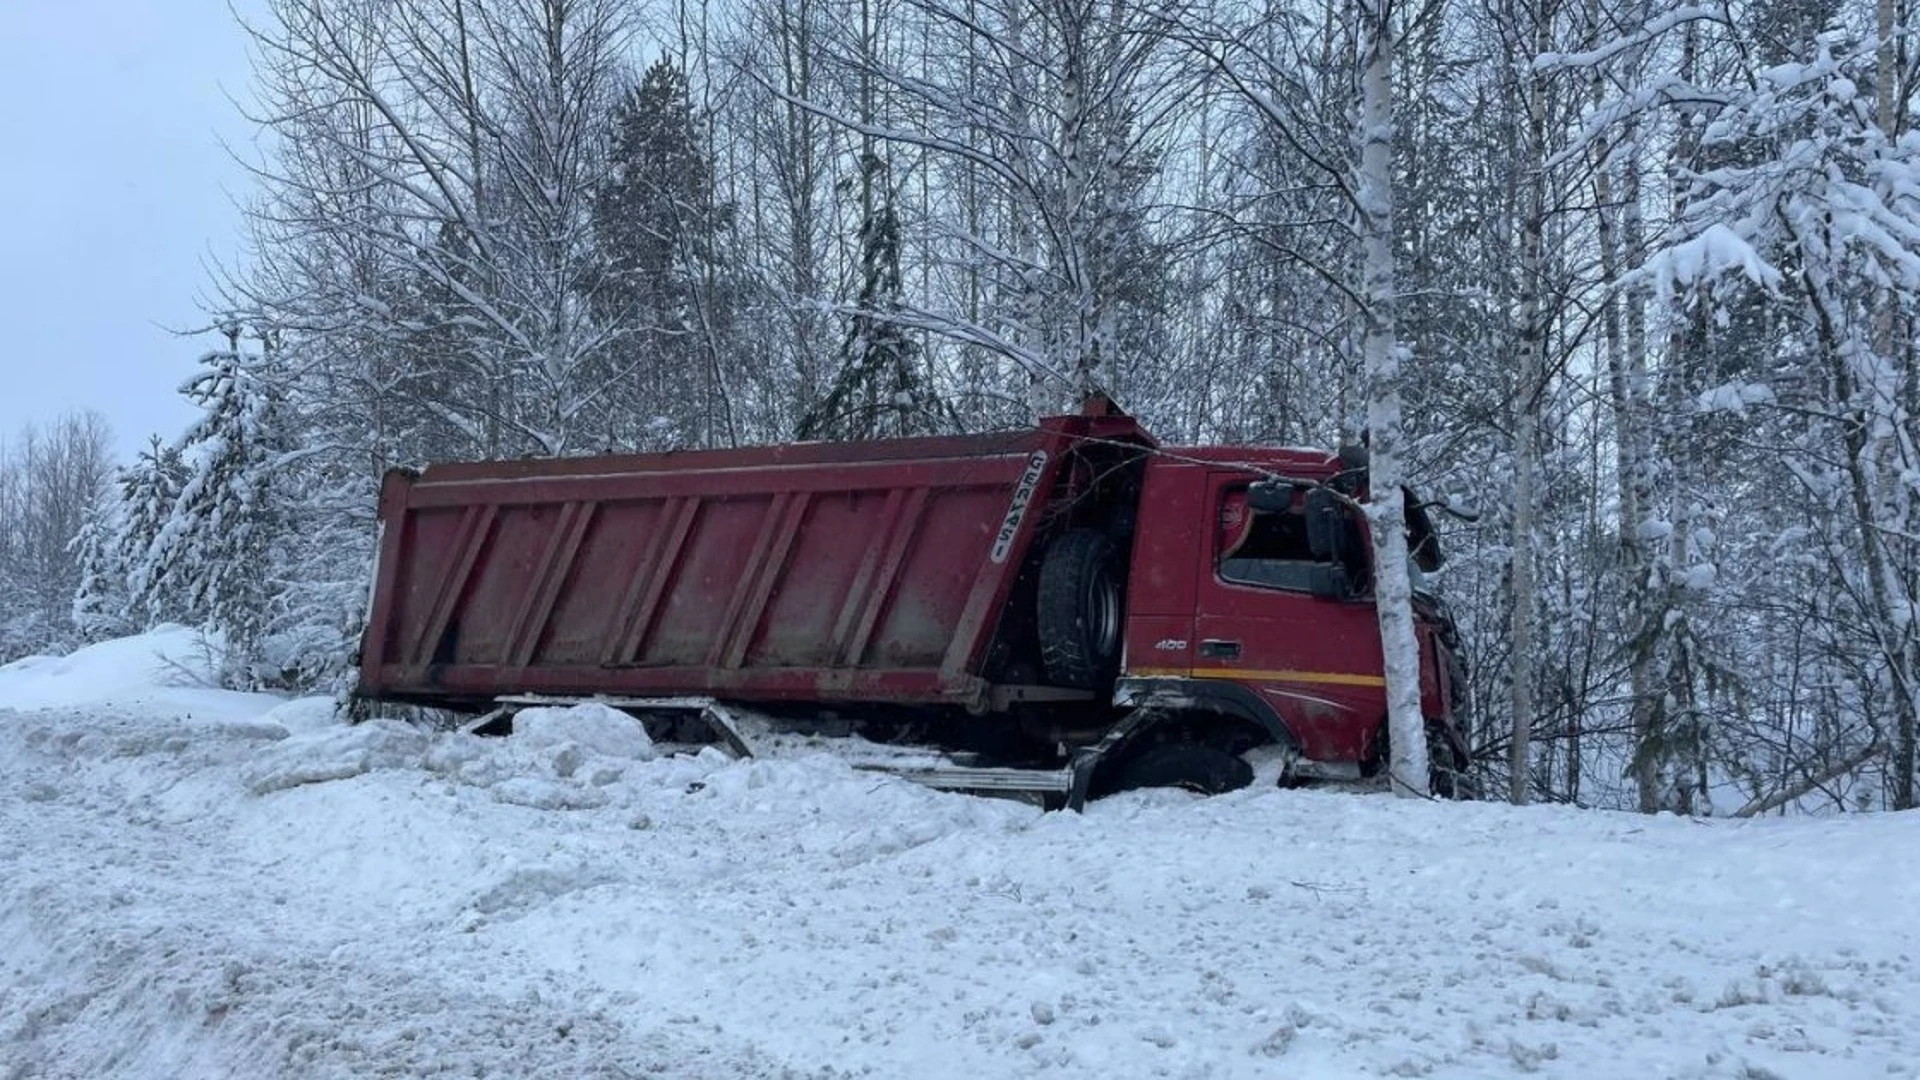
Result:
x=197 y=883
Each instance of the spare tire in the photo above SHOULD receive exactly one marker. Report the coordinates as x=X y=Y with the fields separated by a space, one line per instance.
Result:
x=1079 y=610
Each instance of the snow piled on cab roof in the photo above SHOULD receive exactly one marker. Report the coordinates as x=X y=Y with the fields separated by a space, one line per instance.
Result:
x=280 y=894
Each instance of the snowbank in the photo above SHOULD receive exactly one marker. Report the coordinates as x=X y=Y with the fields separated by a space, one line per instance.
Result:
x=169 y=667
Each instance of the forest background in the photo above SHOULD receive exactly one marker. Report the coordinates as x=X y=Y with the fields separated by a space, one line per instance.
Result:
x=1654 y=272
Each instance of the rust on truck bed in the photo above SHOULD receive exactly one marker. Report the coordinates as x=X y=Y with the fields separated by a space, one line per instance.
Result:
x=807 y=572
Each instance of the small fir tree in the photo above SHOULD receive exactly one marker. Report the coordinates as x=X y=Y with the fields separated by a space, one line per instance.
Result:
x=880 y=392
x=102 y=607
x=216 y=552
x=148 y=490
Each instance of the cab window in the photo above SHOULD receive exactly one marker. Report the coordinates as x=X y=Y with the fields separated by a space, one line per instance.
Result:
x=1273 y=546
x=1264 y=548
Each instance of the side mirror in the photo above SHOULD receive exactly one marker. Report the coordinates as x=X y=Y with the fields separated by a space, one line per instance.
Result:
x=1326 y=532
x=1329 y=582
x=1423 y=544
x=1270 y=496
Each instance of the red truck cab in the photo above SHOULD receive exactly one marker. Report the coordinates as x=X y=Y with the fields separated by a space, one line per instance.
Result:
x=1233 y=608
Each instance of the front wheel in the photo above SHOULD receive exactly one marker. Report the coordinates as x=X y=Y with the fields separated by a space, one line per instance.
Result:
x=1192 y=766
x=1449 y=770
x=1449 y=773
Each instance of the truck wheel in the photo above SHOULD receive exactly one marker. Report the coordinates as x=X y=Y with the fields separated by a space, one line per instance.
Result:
x=1449 y=772
x=1449 y=775
x=1079 y=610
x=1185 y=765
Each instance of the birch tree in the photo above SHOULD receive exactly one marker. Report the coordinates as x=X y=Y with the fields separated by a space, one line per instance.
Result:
x=795 y=162
x=1364 y=178
x=1384 y=354
x=433 y=173
x=1531 y=349
x=1812 y=206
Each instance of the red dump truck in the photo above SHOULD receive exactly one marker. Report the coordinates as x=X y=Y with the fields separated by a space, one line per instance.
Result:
x=1074 y=604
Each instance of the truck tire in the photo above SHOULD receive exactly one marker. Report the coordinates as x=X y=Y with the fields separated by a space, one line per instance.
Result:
x=1188 y=765
x=1449 y=774
x=1078 y=611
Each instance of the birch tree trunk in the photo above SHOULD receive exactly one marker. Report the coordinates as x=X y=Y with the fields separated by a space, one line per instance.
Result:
x=1626 y=371
x=1382 y=352
x=1527 y=403
x=1520 y=577
x=1887 y=108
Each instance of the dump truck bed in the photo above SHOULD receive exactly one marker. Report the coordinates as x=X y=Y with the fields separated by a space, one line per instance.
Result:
x=806 y=572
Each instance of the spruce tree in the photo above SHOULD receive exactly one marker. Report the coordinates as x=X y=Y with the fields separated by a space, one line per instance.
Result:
x=656 y=223
x=149 y=488
x=102 y=608
x=879 y=392
x=217 y=551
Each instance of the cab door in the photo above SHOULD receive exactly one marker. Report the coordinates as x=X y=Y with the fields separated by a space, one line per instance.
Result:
x=1315 y=660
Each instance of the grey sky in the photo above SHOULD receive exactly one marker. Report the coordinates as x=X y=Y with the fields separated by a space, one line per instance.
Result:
x=114 y=192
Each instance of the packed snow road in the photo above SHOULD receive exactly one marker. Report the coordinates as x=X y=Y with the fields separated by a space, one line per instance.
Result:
x=203 y=884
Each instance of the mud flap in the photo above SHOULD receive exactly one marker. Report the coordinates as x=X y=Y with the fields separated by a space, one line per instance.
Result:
x=1087 y=759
